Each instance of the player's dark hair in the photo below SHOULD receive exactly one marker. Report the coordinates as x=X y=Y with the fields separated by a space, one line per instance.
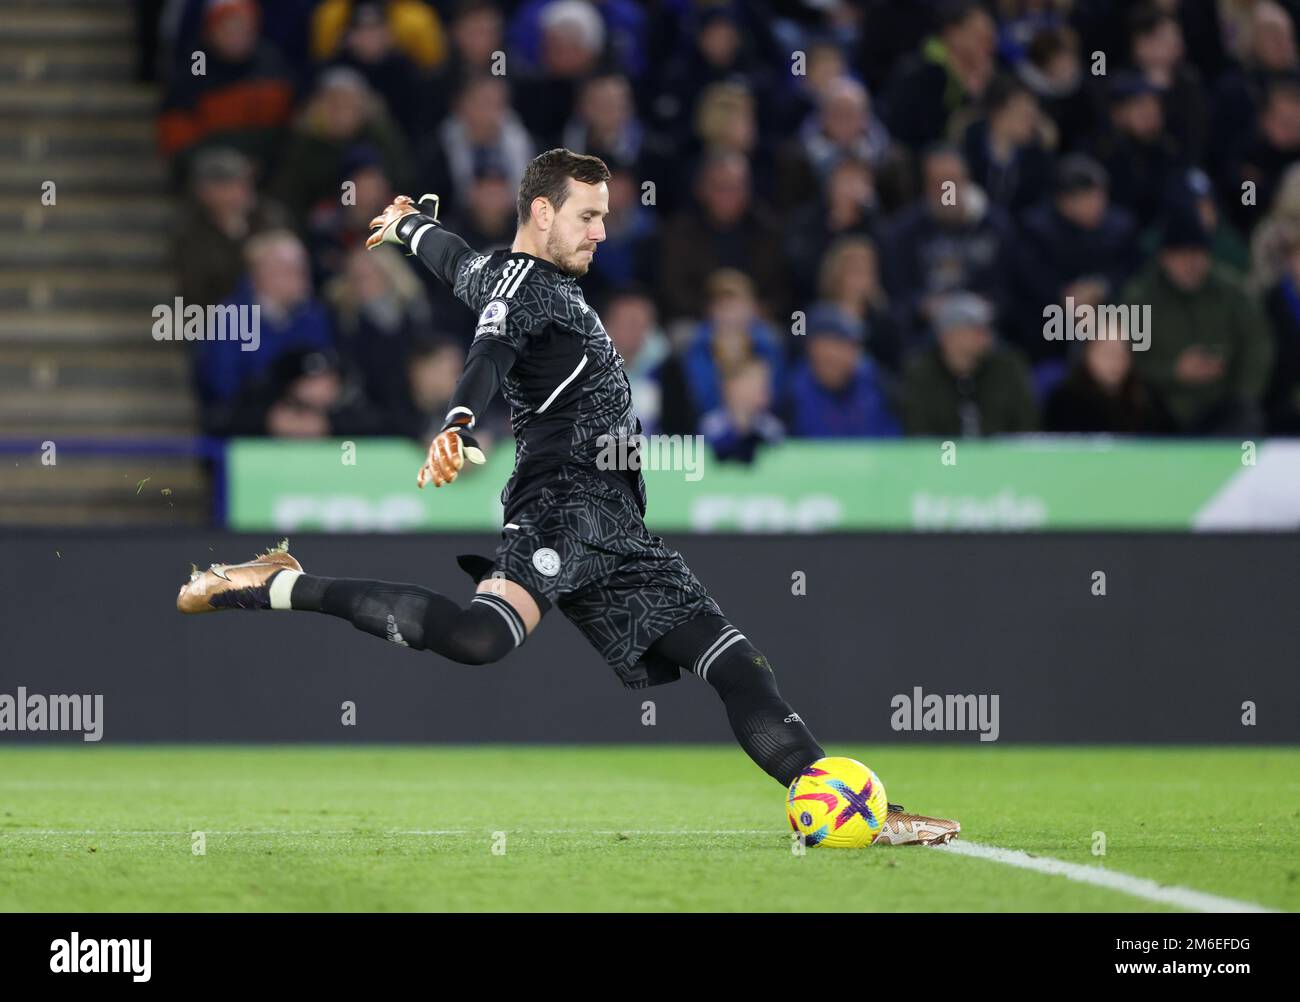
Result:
x=547 y=176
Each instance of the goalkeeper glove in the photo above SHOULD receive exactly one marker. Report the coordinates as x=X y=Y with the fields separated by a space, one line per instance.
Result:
x=449 y=450
x=383 y=228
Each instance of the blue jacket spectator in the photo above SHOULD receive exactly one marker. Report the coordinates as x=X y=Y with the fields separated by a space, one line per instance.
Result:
x=288 y=319
x=835 y=392
x=732 y=334
x=744 y=422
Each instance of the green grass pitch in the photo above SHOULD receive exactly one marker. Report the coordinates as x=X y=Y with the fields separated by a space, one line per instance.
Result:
x=405 y=828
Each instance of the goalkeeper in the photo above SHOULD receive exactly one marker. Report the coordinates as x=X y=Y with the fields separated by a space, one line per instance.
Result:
x=574 y=537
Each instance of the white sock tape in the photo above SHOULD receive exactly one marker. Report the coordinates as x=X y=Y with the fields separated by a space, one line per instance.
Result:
x=282 y=588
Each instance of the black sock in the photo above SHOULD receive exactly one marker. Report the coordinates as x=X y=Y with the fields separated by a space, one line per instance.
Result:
x=768 y=729
x=416 y=617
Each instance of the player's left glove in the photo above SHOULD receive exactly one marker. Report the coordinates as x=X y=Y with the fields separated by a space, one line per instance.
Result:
x=449 y=450
x=383 y=228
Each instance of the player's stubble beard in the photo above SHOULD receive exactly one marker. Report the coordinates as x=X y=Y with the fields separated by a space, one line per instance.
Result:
x=568 y=261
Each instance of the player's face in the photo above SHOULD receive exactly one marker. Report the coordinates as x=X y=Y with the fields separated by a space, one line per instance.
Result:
x=577 y=227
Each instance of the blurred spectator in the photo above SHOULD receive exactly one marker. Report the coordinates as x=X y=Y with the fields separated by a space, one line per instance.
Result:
x=342 y=113
x=1053 y=71
x=485 y=218
x=726 y=120
x=336 y=227
x=1076 y=245
x=847 y=207
x=1021 y=21
x=630 y=319
x=370 y=48
x=1192 y=190
x=303 y=394
x=1210 y=354
x=726 y=231
x=476 y=37
x=571 y=44
x=732 y=332
x=1267 y=152
x=278 y=282
x=1103 y=393
x=477 y=48
x=1137 y=150
x=745 y=420
x=380 y=314
x=826 y=66
x=241 y=99
x=952 y=71
x=953 y=239
x=604 y=121
x=483 y=133
x=414 y=26
x=222 y=211
x=281 y=23
x=850 y=281
x=1156 y=45
x=835 y=392
x=1270 y=245
x=1282 y=398
x=712 y=50
x=433 y=371
x=622 y=21
x=1265 y=46
x=844 y=128
x=1005 y=150
x=628 y=253
x=966 y=384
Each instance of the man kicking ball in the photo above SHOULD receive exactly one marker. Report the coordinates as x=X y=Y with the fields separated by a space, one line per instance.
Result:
x=574 y=534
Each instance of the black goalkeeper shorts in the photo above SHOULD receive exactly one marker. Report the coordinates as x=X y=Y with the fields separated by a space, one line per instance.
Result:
x=584 y=546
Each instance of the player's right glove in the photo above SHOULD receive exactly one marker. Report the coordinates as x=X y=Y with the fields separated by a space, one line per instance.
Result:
x=383 y=228
x=449 y=450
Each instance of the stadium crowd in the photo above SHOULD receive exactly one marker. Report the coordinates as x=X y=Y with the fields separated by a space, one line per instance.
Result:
x=828 y=219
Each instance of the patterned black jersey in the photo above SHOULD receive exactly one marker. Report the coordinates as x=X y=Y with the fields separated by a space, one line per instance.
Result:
x=568 y=395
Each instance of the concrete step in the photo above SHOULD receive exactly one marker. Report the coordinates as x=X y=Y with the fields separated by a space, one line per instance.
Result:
x=108 y=250
x=82 y=407
x=34 y=141
x=39 y=288
x=77 y=514
x=57 y=329
x=43 y=101
x=144 y=367
x=65 y=61
x=101 y=176
x=82 y=213
x=81 y=488
x=67 y=129
x=102 y=23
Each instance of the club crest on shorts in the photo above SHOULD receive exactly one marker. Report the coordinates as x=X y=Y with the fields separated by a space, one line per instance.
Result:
x=547 y=562
x=493 y=318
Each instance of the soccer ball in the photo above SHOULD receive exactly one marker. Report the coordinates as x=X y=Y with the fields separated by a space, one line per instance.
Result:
x=837 y=802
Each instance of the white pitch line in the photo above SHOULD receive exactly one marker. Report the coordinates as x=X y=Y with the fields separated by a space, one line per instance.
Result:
x=1140 y=887
x=116 y=833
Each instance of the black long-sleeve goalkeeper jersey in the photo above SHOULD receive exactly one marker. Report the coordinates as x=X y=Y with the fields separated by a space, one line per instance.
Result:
x=569 y=397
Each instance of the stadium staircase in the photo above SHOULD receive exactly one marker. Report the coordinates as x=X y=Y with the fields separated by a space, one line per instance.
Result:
x=79 y=280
